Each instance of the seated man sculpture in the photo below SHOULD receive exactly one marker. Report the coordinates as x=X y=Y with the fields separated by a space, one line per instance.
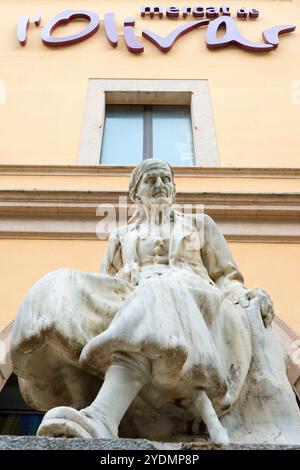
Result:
x=166 y=338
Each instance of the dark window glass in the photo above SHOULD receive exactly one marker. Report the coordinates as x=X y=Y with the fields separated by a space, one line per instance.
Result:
x=16 y=418
x=133 y=133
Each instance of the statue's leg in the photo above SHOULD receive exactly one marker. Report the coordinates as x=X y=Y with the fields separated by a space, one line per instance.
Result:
x=215 y=429
x=124 y=378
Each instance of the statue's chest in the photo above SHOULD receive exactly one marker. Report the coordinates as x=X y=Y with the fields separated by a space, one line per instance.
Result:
x=154 y=244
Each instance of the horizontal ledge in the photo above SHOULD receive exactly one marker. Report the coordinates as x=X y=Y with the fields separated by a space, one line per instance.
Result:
x=181 y=171
x=241 y=238
x=111 y=196
x=86 y=228
x=242 y=217
x=85 y=203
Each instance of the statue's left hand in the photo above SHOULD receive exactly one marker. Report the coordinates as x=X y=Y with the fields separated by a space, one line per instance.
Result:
x=266 y=304
x=134 y=275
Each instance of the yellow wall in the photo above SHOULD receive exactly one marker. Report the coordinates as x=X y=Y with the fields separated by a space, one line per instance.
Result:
x=25 y=261
x=251 y=93
x=198 y=183
x=275 y=268
x=257 y=125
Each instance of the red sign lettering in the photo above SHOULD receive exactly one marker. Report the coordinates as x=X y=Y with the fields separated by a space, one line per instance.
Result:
x=111 y=29
x=64 y=18
x=132 y=44
x=231 y=36
x=167 y=42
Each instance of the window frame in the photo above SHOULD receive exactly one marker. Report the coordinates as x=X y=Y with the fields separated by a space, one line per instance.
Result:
x=194 y=93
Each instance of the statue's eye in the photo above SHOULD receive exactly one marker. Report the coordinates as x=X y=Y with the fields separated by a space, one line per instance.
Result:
x=166 y=179
x=150 y=180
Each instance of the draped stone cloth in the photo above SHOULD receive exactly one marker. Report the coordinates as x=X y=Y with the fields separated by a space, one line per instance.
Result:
x=182 y=317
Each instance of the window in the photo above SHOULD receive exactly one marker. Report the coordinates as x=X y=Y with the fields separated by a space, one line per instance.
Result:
x=16 y=418
x=126 y=121
x=136 y=132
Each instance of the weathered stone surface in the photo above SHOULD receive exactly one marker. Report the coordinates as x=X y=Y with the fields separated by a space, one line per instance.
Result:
x=50 y=443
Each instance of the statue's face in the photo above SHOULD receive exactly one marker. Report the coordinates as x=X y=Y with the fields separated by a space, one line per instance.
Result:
x=156 y=187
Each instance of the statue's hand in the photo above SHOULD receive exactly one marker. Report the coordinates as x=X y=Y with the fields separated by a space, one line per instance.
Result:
x=134 y=275
x=266 y=304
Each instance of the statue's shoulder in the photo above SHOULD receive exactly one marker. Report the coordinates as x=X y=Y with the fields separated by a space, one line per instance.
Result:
x=123 y=231
x=200 y=220
x=208 y=220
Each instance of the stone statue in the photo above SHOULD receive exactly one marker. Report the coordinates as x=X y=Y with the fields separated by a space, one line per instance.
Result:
x=165 y=338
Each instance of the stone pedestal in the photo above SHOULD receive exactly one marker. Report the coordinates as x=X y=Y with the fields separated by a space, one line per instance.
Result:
x=41 y=443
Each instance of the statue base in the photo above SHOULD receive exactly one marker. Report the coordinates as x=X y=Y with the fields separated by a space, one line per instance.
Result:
x=50 y=443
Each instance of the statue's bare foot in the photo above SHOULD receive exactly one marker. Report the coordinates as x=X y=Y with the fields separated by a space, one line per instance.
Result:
x=64 y=421
x=219 y=435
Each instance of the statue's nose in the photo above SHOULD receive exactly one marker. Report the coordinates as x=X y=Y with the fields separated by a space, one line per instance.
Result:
x=159 y=182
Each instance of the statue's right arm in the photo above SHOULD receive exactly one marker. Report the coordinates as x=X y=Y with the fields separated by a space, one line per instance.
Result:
x=219 y=262
x=112 y=260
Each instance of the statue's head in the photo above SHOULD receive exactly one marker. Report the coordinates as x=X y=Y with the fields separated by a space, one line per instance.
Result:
x=152 y=182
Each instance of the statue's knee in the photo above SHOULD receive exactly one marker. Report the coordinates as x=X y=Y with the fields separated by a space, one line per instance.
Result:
x=135 y=364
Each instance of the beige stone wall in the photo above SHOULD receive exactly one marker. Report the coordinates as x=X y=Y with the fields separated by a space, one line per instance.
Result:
x=251 y=93
x=257 y=125
x=275 y=268
x=263 y=183
x=25 y=261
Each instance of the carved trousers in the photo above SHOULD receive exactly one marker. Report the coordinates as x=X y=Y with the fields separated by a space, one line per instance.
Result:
x=124 y=378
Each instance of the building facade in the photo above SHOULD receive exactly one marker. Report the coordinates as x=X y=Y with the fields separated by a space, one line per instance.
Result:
x=87 y=94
